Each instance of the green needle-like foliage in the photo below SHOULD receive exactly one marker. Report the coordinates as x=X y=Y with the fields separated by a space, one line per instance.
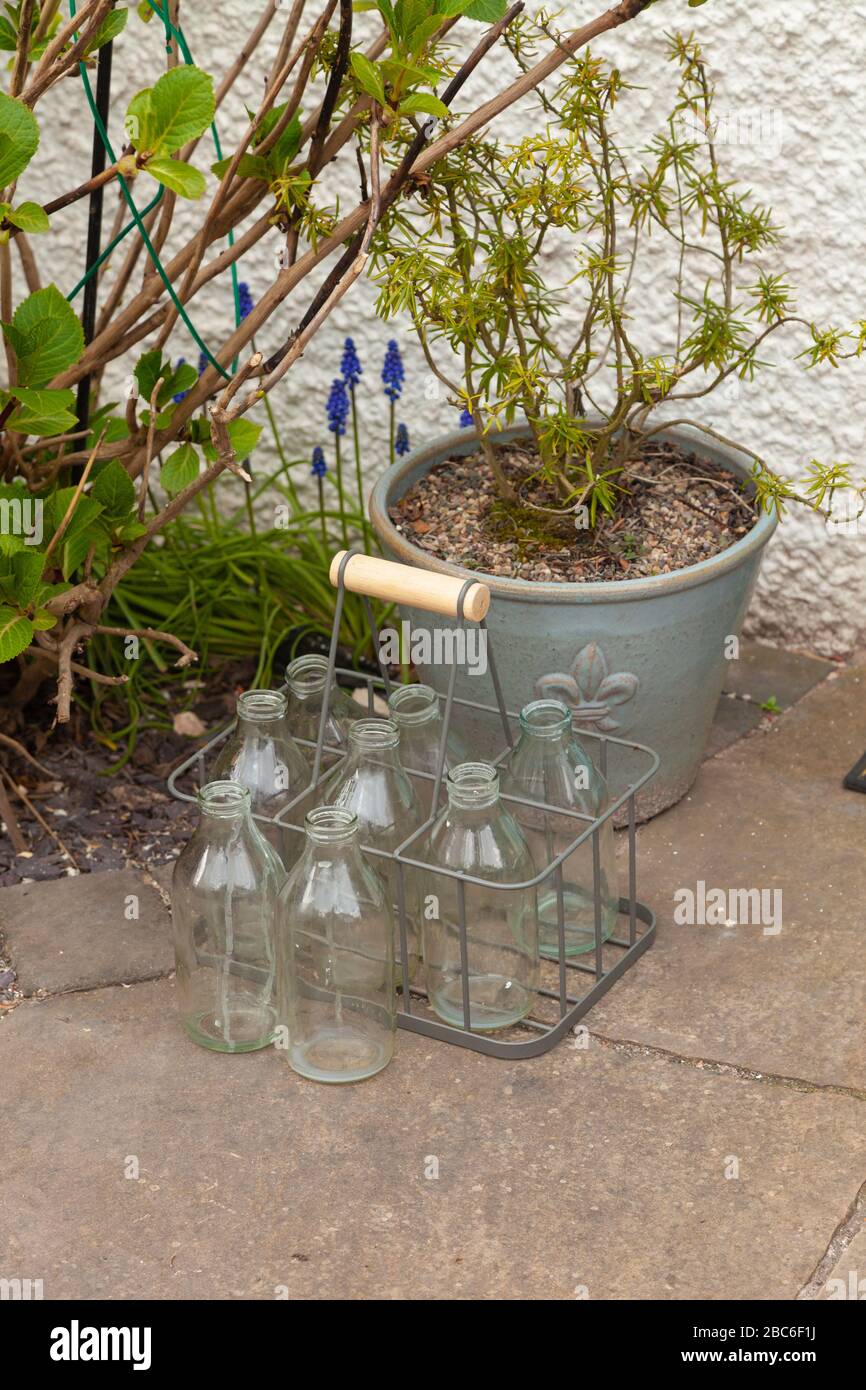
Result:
x=471 y=265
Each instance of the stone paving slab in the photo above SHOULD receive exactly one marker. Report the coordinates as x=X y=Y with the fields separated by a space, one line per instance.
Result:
x=762 y=672
x=582 y=1173
x=86 y=931
x=734 y=719
x=770 y=813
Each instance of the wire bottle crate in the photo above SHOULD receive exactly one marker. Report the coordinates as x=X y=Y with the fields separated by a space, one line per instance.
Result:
x=569 y=986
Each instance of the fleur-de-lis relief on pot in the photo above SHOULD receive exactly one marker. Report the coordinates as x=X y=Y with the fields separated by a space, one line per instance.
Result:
x=591 y=691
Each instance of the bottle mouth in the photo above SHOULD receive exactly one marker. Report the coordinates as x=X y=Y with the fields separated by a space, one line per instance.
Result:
x=372 y=735
x=330 y=824
x=261 y=705
x=306 y=675
x=473 y=784
x=546 y=718
x=224 y=799
x=413 y=704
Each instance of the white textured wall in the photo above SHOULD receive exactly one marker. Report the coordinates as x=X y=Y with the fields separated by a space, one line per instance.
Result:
x=796 y=63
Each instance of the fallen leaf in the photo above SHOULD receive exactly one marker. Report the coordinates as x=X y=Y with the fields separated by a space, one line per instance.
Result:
x=188 y=723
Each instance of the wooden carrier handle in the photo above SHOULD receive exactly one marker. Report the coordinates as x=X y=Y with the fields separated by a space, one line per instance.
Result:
x=384 y=579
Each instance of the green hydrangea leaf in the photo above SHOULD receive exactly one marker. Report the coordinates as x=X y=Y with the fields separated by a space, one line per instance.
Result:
x=183 y=106
x=423 y=102
x=140 y=123
x=30 y=217
x=111 y=26
x=27 y=566
x=180 y=469
x=368 y=76
x=19 y=138
x=148 y=370
x=42 y=413
x=16 y=633
x=46 y=336
x=244 y=436
x=250 y=166
x=181 y=178
x=114 y=489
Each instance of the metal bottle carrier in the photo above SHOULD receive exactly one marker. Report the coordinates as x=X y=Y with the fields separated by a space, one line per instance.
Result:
x=560 y=1002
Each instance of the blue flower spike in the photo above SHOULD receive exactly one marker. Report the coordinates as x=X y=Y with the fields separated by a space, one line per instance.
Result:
x=393 y=372
x=466 y=420
x=401 y=440
x=350 y=367
x=337 y=408
x=245 y=299
x=319 y=467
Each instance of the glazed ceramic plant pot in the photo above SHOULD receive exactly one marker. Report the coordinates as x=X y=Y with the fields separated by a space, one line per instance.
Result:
x=636 y=658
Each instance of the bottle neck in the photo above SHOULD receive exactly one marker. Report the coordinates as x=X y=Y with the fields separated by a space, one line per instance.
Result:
x=375 y=741
x=224 y=809
x=472 y=787
x=413 y=706
x=262 y=713
x=306 y=677
x=331 y=831
x=548 y=721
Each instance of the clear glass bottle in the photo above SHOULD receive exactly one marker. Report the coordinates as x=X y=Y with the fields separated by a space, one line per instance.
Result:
x=262 y=755
x=476 y=835
x=306 y=678
x=417 y=712
x=372 y=783
x=550 y=765
x=224 y=900
x=335 y=956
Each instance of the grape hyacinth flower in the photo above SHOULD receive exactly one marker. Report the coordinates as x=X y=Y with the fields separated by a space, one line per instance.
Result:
x=466 y=419
x=319 y=468
x=393 y=372
x=245 y=299
x=181 y=362
x=350 y=367
x=401 y=440
x=337 y=408
x=202 y=364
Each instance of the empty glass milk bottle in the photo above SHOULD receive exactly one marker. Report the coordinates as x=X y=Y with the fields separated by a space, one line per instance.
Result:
x=416 y=711
x=494 y=984
x=306 y=678
x=261 y=754
x=550 y=765
x=335 y=956
x=223 y=903
x=372 y=783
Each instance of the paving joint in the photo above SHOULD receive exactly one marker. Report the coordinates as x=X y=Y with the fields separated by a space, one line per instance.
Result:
x=850 y=1226
x=718 y=1068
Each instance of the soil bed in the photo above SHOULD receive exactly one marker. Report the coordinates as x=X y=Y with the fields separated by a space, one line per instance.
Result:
x=682 y=508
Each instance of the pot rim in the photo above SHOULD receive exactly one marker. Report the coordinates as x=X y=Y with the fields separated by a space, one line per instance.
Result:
x=387 y=488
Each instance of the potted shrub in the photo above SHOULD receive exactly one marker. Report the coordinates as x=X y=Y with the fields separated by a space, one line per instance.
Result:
x=621 y=543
